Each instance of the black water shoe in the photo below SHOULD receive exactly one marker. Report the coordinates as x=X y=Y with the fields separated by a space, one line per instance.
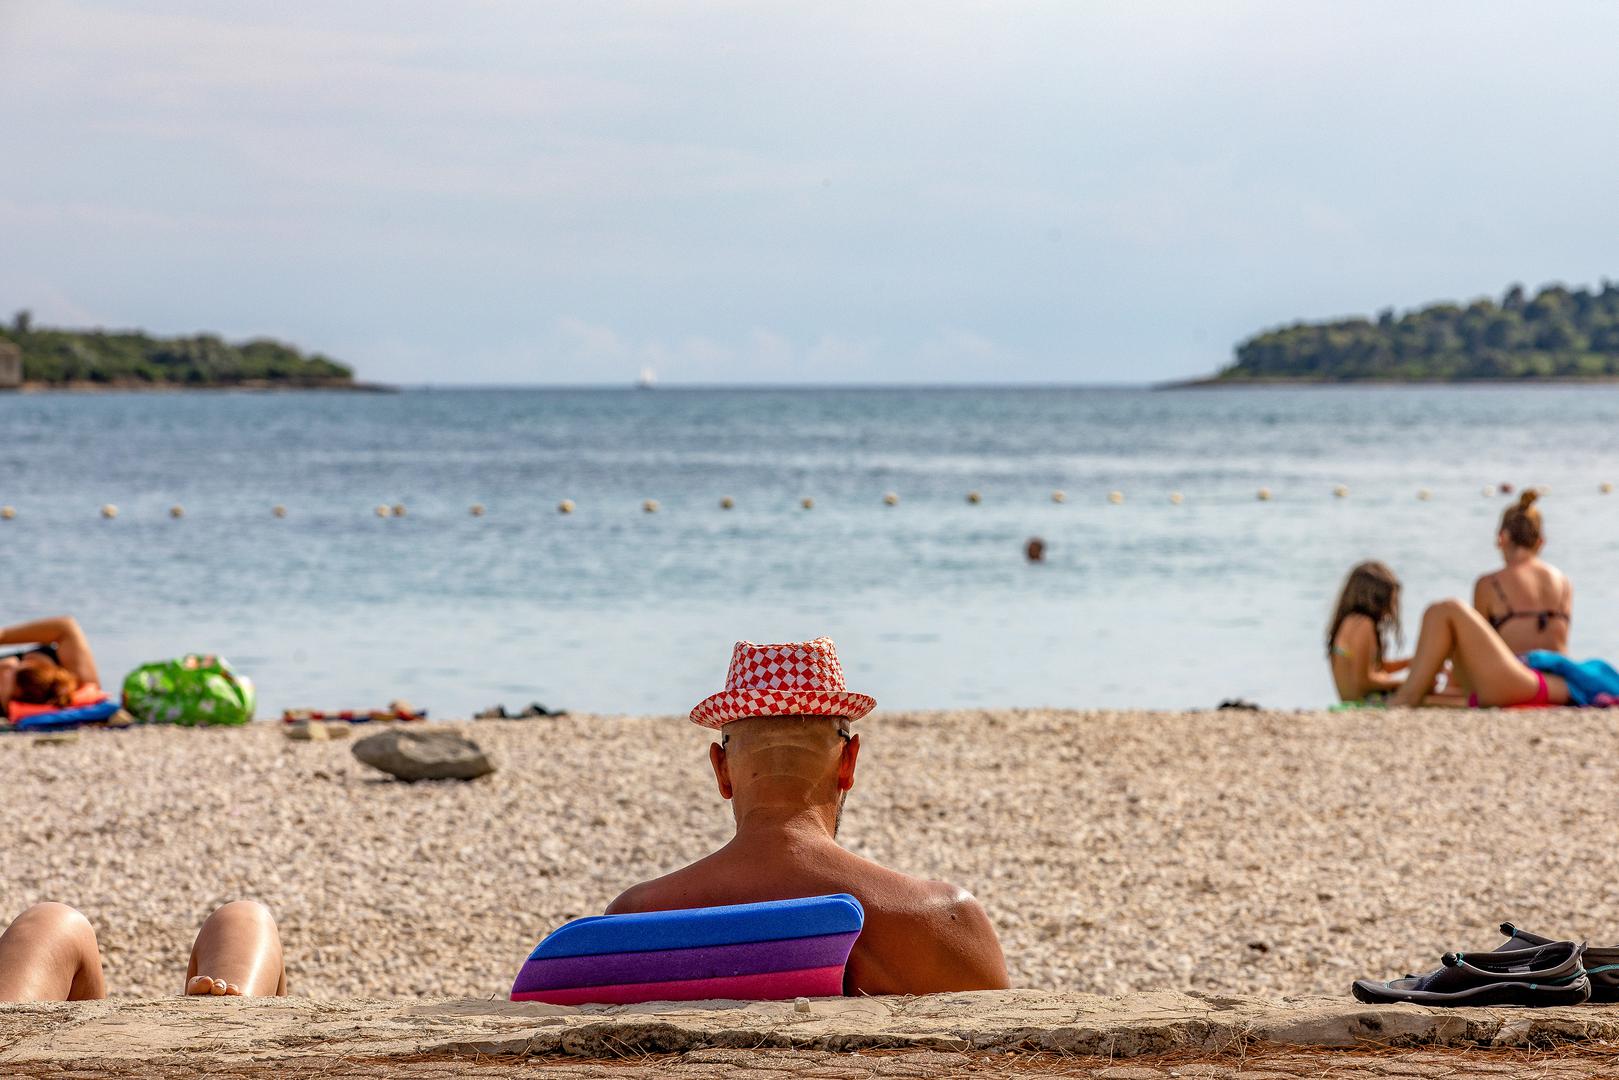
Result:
x=1601 y=965
x=1540 y=975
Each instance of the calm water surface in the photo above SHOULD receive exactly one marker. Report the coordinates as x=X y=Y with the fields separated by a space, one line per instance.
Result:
x=615 y=610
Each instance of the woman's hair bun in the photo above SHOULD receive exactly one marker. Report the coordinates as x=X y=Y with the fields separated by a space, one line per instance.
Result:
x=1527 y=499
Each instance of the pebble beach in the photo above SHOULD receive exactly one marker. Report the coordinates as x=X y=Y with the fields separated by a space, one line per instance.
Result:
x=1225 y=852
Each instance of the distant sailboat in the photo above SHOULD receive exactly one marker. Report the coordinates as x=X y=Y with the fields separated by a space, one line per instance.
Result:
x=648 y=379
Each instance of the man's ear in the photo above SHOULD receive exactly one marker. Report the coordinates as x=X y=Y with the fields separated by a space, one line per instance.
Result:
x=722 y=768
x=846 y=761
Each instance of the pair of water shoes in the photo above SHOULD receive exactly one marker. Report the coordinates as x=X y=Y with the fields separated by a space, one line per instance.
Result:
x=1526 y=969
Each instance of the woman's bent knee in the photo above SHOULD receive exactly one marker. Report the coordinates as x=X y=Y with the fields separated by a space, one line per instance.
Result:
x=61 y=918
x=245 y=909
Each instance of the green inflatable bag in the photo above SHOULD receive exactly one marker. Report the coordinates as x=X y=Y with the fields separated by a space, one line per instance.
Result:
x=193 y=691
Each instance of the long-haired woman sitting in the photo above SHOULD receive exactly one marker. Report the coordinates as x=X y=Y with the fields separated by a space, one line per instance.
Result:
x=1368 y=617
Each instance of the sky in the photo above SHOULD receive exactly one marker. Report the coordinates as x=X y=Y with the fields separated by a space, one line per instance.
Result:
x=773 y=193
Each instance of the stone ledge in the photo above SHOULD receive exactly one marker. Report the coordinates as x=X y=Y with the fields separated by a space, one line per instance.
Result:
x=216 y=1032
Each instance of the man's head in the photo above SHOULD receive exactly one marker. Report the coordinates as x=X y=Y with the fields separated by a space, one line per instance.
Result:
x=778 y=767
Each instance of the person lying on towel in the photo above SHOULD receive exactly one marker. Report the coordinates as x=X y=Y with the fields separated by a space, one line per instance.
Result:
x=59 y=671
x=786 y=761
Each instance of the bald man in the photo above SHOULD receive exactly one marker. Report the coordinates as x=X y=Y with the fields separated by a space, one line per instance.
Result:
x=787 y=777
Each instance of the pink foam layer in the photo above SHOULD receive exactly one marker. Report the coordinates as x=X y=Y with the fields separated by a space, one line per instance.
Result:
x=770 y=986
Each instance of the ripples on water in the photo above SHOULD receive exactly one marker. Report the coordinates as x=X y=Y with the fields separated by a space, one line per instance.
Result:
x=615 y=610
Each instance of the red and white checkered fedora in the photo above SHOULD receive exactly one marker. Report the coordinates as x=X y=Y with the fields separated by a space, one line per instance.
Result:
x=800 y=678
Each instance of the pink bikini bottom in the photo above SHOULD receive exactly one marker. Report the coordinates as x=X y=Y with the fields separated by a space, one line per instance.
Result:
x=1543 y=696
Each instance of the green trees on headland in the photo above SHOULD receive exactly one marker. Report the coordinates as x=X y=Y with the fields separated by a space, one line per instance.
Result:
x=1559 y=333
x=127 y=358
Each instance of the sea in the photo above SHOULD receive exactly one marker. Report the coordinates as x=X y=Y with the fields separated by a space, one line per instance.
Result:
x=1169 y=582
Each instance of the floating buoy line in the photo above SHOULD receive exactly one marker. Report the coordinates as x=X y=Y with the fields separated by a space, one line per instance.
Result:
x=176 y=511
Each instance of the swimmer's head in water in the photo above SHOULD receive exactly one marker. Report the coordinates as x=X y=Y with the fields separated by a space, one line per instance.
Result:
x=1372 y=590
x=39 y=680
x=782 y=765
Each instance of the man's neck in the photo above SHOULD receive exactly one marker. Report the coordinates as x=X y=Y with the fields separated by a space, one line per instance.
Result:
x=791 y=827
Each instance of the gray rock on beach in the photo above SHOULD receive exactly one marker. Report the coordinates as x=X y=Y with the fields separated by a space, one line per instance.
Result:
x=417 y=754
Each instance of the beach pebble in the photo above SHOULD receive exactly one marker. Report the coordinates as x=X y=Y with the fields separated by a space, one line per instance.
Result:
x=424 y=754
x=306 y=731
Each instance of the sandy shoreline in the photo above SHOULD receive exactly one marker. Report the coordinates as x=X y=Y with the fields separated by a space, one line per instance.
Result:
x=1116 y=851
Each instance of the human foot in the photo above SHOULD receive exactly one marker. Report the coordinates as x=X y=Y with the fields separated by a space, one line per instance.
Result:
x=202 y=984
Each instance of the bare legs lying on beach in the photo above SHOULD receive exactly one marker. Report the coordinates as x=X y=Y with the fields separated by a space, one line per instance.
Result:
x=49 y=953
x=1451 y=630
x=238 y=951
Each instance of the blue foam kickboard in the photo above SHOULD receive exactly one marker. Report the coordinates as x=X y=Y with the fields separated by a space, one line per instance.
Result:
x=695 y=928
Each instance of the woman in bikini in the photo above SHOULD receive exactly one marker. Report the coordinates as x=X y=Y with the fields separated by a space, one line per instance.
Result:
x=50 y=953
x=1528 y=602
x=60 y=669
x=1368 y=616
x=1369 y=613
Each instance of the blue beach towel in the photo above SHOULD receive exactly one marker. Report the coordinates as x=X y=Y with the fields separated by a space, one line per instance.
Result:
x=1590 y=682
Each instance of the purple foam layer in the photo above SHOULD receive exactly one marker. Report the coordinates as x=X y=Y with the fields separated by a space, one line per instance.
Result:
x=668 y=965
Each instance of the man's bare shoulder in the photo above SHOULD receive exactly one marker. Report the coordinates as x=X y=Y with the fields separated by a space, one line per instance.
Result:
x=927 y=937
x=906 y=896
x=686 y=887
